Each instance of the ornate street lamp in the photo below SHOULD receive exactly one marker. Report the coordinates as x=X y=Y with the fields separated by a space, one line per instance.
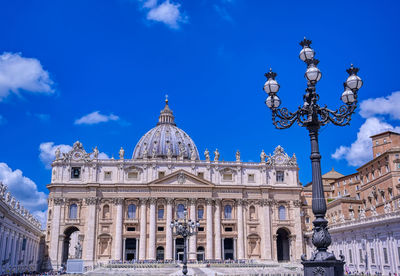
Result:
x=312 y=116
x=185 y=229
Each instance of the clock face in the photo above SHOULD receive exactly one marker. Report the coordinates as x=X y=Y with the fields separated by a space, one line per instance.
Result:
x=77 y=155
x=280 y=159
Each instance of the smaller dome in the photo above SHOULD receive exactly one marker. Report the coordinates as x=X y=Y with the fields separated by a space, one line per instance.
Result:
x=166 y=140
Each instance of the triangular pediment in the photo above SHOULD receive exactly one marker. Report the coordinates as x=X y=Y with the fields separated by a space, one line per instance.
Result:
x=181 y=178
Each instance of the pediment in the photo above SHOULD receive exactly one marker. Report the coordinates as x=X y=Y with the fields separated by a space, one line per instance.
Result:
x=181 y=178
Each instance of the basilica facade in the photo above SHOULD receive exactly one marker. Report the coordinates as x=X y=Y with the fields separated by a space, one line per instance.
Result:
x=121 y=209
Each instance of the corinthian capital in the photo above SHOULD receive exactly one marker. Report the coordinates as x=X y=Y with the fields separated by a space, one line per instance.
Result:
x=143 y=201
x=169 y=200
x=152 y=200
x=192 y=201
x=91 y=200
x=209 y=201
x=117 y=201
x=58 y=201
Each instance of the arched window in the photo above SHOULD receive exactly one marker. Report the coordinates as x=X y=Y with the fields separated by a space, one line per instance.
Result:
x=252 y=211
x=161 y=212
x=106 y=211
x=180 y=210
x=282 y=212
x=200 y=212
x=228 y=211
x=73 y=211
x=49 y=215
x=132 y=211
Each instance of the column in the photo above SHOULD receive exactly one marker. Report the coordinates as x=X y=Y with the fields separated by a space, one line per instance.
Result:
x=223 y=248
x=143 y=234
x=217 y=229
x=240 y=241
x=266 y=228
x=192 y=239
x=3 y=244
x=55 y=232
x=174 y=248
x=152 y=232
x=235 y=255
x=209 y=241
x=136 y=250
x=168 y=230
x=90 y=235
x=123 y=250
x=118 y=228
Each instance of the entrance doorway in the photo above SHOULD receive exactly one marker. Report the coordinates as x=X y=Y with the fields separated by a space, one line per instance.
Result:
x=130 y=249
x=200 y=253
x=228 y=249
x=179 y=246
x=282 y=245
x=160 y=253
x=71 y=249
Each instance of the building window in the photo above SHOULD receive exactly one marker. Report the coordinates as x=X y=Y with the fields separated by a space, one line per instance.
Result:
x=384 y=141
x=228 y=229
x=131 y=229
x=361 y=256
x=107 y=175
x=160 y=214
x=307 y=220
x=250 y=178
x=160 y=229
x=358 y=196
x=106 y=212
x=385 y=255
x=350 y=257
x=180 y=211
x=338 y=184
x=133 y=175
x=280 y=176
x=75 y=172
x=161 y=174
x=282 y=212
x=252 y=211
x=200 y=175
x=338 y=193
x=131 y=211
x=73 y=211
x=227 y=177
x=387 y=168
x=200 y=212
x=228 y=211
x=201 y=229
x=372 y=256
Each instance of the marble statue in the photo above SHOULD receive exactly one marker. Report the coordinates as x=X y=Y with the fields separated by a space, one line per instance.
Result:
x=373 y=210
x=216 y=155
x=237 y=156
x=169 y=152
x=387 y=208
x=207 y=155
x=263 y=156
x=362 y=213
x=58 y=153
x=352 y=215
x=193 y=155
x=154 y=152
x=78 y=251
x=121 y=153
x=145 y=151
x=95 y=153
x=341 y=218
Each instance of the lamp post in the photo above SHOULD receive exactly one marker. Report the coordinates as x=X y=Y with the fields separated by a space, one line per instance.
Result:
x=312 y=116
x=185 y=228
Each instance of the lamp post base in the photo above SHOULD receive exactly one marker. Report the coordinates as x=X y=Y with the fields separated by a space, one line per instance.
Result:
x=323 y=268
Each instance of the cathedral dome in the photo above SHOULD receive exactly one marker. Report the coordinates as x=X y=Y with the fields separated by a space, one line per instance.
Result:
x=166 y=140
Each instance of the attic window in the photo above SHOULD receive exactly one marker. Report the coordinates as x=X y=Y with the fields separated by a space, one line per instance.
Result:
x=250 y=178
x=161 y=174
x=200 y=175
x=107 y=175
x=227 y=177
x=75 y=172
x=133 y=175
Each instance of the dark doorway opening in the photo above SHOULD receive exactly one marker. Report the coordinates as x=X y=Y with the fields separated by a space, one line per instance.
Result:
x=200 y=253
x=282 y=245
x=228 y=249
x=66 y=243
x=130 y=249
x=179 y=246
x=160 y=253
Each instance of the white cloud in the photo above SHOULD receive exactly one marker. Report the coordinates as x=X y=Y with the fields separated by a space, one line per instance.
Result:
x=47 y=152
x=95 y=118
x=166 y=12
x=18 y=73
x=23 y=189
x=382 y=106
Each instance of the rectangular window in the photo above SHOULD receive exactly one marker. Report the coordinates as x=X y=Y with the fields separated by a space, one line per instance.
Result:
x=338 y=184
x=161 y=174
x=107 y=175
x=358 y=195
x=23 y=244
x=350 y=257
x=75 y=172
x=372 y=256
x=250 y=178
x=361 y=255
x=385 y=255
x=160 y=229
x=131 y=229
x=280 y=176
x=160 y=213
x=227 y=177
x=201 y=229
x=200 y=213
x=228 y=229
x=133 y=175
x=200 y=175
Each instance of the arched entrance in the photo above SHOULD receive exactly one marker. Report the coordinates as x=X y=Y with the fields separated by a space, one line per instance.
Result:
x=282 y=245
x=179 y=246
x=200 y=253
x=160 y=253
x=72 y=245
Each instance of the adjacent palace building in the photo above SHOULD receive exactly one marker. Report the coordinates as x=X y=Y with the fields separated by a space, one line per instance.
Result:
x=121 y=209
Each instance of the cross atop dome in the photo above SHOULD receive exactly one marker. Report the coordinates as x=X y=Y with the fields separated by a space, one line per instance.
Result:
x=166 y=115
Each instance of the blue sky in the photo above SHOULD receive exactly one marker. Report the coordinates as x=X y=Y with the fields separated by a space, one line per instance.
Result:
x=97 y=71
